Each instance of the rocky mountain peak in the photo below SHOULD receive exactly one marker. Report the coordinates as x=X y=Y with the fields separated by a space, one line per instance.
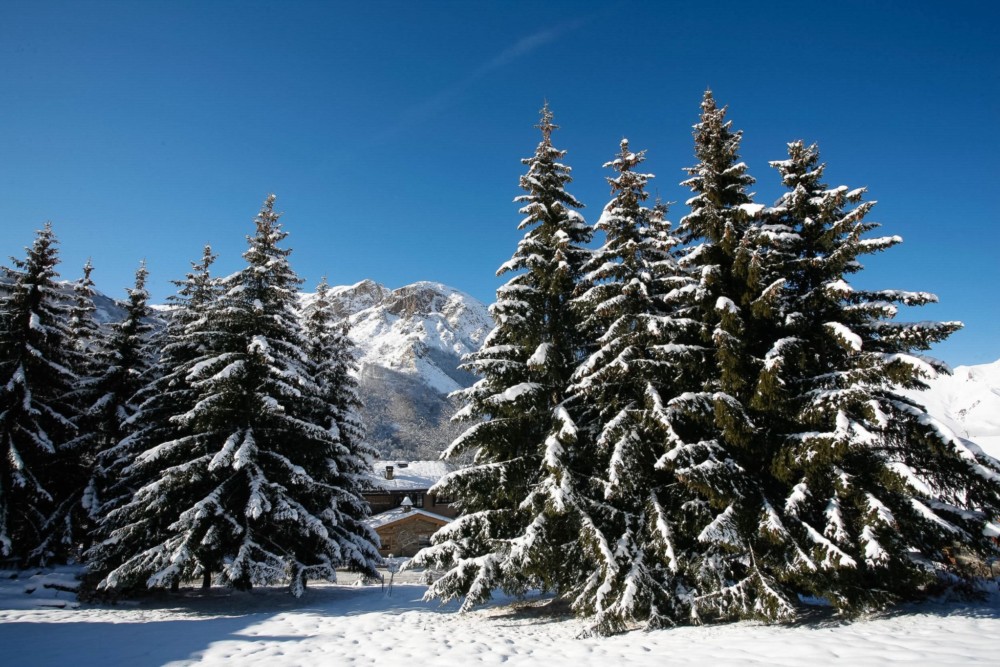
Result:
x=418 y=299
x=346 y=300
x=410 y=343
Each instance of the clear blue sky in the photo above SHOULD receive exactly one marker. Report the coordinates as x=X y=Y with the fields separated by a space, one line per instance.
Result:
x=392 y=131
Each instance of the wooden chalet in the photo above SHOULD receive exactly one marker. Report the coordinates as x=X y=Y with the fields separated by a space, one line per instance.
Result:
x=405 y=530
x=392 y=481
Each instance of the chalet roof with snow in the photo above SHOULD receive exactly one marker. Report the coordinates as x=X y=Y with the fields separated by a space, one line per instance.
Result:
x=409 y=475
x=401 y=513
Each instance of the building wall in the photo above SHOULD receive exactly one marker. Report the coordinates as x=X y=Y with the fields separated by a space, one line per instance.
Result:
x=407 y=536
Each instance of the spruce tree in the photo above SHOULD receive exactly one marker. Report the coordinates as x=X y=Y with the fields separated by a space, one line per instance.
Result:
x=876 y=498
x=248 y=492
x=123 y=525
x=125 y=360
x=336 y=407
x=84 y=331
x=85 y=338
x=519 y=525
x=637 y=367
x=716 y=455
x=39 y=477
x=332 y=353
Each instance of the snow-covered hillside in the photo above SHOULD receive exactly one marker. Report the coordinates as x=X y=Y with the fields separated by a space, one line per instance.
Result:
x=968 y=402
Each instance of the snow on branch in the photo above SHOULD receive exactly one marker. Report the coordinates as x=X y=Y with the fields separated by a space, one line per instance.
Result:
x=835 y=557
x=845 y=336
x=722 y=529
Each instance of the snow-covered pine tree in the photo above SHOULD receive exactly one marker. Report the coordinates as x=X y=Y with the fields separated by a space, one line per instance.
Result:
x=84 y=339
x=187 y=333
x=125 y=526
x=333 y=353
x=84 y=331
x=185 y=338
x=39 y=478
x=637 y=367
x=247 y=491
x=876 y=497
x=716 y=456
x=336 y=407
x=518 y=529
x=125 y=361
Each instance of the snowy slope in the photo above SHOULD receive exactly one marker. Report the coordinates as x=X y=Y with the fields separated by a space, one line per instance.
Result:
x=420 y=330
x=968 y=402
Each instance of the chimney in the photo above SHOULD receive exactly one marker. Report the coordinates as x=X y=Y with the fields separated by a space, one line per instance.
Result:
x=407 y=504
x=388 y=472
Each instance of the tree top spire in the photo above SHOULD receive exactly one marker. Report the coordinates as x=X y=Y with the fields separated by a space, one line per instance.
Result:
x=545 y=124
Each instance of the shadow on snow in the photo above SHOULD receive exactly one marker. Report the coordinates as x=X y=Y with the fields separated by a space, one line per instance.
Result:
x=182 y=626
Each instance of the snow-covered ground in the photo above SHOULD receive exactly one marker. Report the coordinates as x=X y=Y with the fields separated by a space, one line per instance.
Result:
x=363 y=625
x=42 y=624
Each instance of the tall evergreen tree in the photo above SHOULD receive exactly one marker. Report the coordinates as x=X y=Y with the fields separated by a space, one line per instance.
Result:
x=123 y=525
x=336 y=407
x=715 y=456
x=638 y=366
x=801 y=468
x=333 y=353
x=874 y=494
x=85 y=338
x=125 y=360
x=519 y=527
x=84 y=331
x=39 y=477
x=249 y=491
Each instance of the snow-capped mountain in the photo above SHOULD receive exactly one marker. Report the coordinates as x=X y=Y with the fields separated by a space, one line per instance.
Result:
x=420 y=330
x=410 y=343
x=107 y=310
x=968 y=402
